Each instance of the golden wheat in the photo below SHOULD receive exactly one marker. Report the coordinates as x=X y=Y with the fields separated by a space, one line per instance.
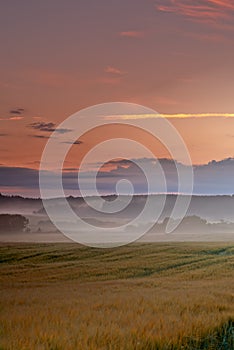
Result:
x=151 y=296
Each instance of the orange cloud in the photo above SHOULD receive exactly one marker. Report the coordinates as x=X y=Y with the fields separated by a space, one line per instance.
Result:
x=170 y=116
x=16 y=118
x=132 y=34
x=12 y=118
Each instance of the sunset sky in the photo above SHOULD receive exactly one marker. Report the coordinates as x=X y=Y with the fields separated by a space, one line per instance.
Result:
x=58 y=57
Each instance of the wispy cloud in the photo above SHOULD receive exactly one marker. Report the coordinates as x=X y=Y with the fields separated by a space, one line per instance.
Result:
x=17 y=111
x=73 y=143
x=12 y=118
x=43 y=126
x=199 y=115
x=16 y=118
x=228 y=4
x=114 y=70
x=170 y=116
x=132 y=34
x=47 y=127
x=40 y=136
x=202 y=10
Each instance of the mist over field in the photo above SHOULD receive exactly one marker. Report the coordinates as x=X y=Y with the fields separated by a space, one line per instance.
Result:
x=209 y=218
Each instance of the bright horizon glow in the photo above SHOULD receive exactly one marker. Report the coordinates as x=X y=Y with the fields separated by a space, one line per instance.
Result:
x=169 y=116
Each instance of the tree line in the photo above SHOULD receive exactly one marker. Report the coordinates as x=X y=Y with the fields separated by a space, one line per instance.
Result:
x=13 y=222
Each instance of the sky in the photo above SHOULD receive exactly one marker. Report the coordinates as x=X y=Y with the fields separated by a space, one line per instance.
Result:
x=58 y=57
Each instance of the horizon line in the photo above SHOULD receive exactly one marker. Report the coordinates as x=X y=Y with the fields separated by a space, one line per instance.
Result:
x=118 y=195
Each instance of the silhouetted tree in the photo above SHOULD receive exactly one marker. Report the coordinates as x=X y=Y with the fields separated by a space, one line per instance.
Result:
x=13 y=222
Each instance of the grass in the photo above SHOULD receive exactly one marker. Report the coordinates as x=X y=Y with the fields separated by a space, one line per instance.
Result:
x=141 y=296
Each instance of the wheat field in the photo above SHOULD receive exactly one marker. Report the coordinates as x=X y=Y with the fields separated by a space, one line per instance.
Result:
x=141 y=296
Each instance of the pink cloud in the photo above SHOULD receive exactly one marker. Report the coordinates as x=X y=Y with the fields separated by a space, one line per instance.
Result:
x=132 y=34
x=114 y=70
x=204 y=10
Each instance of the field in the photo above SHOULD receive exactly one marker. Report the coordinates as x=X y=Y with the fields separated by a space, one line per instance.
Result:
x=141 y=296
